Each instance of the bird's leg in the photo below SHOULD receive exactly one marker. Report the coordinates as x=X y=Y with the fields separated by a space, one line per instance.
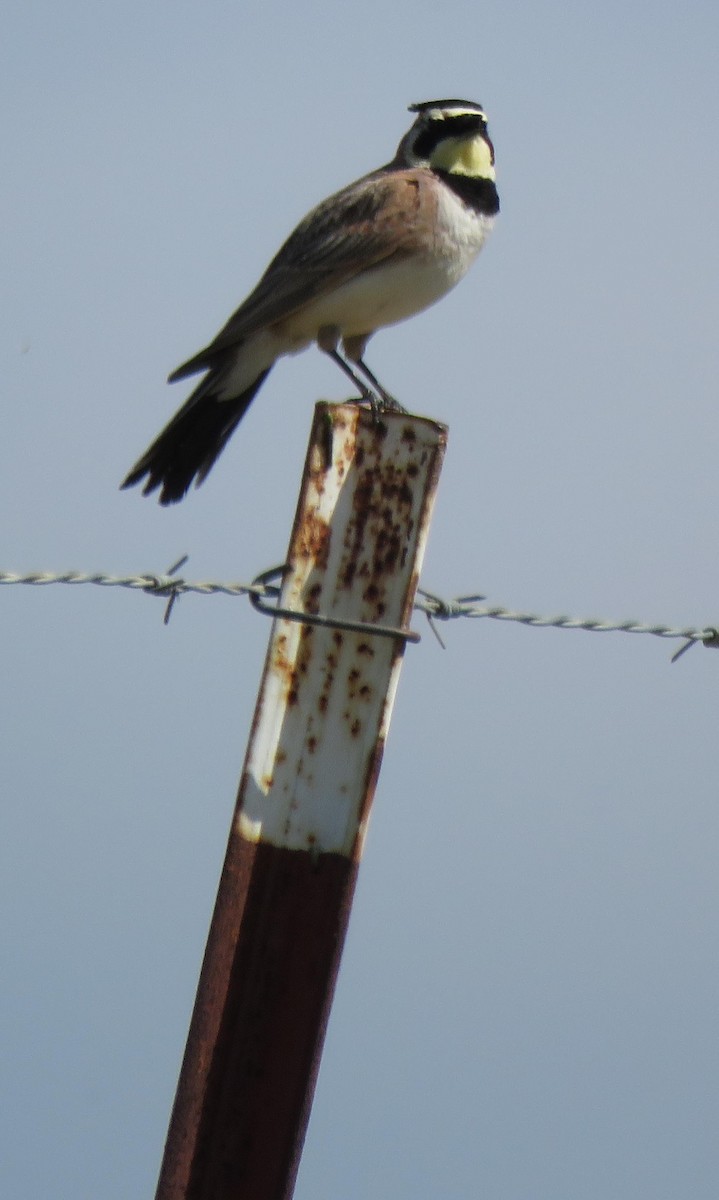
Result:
x=354 y=348
x=365 y=393
x=389 y=404
x=328 y=339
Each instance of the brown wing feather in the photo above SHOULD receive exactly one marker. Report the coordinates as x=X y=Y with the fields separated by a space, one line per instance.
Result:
x=353 y=230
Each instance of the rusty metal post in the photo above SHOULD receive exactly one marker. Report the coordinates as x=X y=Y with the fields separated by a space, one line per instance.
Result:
x=252 y=1056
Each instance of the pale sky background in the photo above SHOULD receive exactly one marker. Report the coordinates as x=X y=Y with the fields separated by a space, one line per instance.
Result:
x=527 y=1007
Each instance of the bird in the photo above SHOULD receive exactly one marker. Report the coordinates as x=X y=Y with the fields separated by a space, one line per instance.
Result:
x=373 y=254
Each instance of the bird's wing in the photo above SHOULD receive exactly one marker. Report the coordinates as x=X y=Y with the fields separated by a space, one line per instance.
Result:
x=357 y=228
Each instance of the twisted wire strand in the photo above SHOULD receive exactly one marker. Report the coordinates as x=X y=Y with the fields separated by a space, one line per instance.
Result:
x=435 y=607
x=470 y=606
x=159 y=584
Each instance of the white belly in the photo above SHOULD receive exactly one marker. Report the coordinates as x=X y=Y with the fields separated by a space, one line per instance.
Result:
x=382 y=296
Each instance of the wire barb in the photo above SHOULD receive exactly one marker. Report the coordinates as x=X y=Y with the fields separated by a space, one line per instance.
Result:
x=165 y=585
x=708 y=638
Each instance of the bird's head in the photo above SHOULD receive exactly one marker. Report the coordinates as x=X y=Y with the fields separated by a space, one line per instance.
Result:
x=449 y=136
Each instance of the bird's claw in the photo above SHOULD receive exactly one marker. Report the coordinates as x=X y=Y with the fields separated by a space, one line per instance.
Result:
x=389 y=404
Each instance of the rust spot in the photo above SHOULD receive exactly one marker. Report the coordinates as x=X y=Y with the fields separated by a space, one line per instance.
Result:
x=312 y=540
x=312 y=601
x=412 y=470
x=396 y=492
x=409 y=437
x=356 y=727
x=322 y=704
x=289 y=674
x=373 y=767
x=312 y=743
x=388 y=548
x=355 y=687
x=363 y=494
x=325 y=439
x=365 y=649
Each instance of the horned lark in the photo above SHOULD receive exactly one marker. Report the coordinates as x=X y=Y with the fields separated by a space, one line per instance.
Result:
x=379 y=251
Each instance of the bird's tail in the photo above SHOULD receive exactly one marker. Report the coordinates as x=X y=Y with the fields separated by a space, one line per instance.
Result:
x=191 y=443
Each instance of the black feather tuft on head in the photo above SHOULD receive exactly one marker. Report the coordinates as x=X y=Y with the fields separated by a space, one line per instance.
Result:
x=424 y=105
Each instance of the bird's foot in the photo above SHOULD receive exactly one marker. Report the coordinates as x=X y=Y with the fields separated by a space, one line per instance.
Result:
x=366 y=397
x=386 y=400
x=389 y=404
x=375 y=404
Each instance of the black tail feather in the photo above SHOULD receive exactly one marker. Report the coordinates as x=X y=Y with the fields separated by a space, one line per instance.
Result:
x=191 y=443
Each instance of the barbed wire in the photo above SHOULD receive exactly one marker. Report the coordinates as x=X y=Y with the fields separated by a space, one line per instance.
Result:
x=170 y=586
x=165 y=585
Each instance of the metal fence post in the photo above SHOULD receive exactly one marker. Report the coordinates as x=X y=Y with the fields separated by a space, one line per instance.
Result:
x=263 y=1000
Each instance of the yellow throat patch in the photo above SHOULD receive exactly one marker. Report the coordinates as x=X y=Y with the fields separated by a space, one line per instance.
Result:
x=464 y=156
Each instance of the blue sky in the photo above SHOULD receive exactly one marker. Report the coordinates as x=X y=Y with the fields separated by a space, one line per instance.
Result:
x=527 y=1003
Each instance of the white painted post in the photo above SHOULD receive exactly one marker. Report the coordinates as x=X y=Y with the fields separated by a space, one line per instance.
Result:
x=325 y=701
